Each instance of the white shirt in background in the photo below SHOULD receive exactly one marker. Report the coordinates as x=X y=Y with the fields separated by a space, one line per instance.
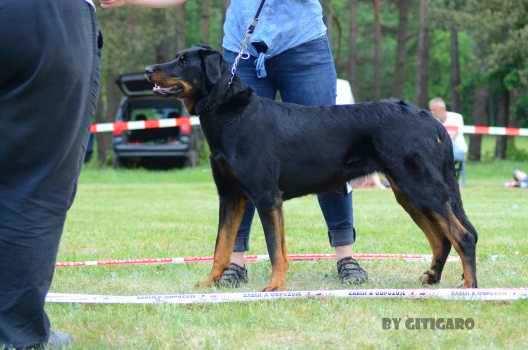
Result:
x=344 y=96
x=344 y=93
x=455 y=127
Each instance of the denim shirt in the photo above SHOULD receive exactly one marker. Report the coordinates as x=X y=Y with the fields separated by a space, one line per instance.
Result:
x=283 y=24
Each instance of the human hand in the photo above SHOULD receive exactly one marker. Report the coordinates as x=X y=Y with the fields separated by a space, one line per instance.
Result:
x=112 y=3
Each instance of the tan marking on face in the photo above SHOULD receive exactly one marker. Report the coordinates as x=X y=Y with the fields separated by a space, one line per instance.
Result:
x=189 y=103
x=187 y=88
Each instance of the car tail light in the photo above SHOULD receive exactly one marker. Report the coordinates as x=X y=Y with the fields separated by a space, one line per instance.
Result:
x=185 y=125
x=119 y=127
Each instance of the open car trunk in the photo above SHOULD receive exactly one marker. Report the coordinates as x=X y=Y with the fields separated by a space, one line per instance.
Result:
x=152 y=108
x=143 y=105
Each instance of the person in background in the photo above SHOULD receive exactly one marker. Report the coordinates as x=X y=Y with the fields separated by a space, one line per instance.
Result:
x=290 y=55
x=454 y=123
x=520 y=179
x=48 y=92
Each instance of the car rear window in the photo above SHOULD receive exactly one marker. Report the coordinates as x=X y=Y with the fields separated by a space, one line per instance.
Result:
x=153 y=110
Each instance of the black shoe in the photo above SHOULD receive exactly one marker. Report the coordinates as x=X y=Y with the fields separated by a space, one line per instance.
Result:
x=57 y=341
x=233 y=275
x=350 y=272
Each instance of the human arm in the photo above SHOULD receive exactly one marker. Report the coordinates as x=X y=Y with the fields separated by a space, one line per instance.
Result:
x=144 y=3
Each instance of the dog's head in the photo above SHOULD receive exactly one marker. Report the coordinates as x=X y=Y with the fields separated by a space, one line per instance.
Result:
x=190 y=76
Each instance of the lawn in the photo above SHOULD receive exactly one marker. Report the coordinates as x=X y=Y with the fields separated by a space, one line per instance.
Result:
x=139 y=213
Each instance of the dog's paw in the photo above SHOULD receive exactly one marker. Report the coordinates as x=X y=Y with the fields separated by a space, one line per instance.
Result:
x=273 y=288
x=428 y=278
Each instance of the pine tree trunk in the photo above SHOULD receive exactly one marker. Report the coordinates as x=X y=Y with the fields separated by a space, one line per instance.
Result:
x=181 y=43
x=401 y=50
x=328 y=18
x=422 y=72
x=456 y=104
x=106 y=113
x=205 y=12
x=480 y=117
x=377 y=49
x=102 y=144
x=352 y=46
x=501 y=142
x=225 y=5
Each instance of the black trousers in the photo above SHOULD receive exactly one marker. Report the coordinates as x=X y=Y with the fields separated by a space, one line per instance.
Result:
x=49 y=68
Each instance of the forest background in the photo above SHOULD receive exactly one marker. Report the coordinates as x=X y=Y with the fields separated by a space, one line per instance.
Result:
x=472 y=53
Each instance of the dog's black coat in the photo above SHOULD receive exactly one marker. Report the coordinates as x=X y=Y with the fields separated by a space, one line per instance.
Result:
x=269 y=151
x=274 y=147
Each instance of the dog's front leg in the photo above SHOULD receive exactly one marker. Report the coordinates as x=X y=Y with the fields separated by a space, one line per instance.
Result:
x=232 y=209
x=273 y=224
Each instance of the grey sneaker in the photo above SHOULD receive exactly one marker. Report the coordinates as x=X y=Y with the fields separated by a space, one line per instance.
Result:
x=57 y=341
x=233 y=275
x=350 y=272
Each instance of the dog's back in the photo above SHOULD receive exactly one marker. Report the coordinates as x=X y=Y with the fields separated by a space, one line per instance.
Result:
x=337 y=143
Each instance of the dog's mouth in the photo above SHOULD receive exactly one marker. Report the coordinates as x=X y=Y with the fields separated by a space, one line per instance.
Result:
x=168 y=86
x=169 y=90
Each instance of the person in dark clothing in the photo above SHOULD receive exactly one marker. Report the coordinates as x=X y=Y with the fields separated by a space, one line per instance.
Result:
x=48 y=91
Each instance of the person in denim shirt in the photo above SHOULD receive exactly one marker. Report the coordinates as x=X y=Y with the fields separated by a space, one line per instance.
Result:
x=289 y=54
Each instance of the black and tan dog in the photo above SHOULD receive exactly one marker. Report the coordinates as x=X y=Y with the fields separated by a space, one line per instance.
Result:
x=266 y=152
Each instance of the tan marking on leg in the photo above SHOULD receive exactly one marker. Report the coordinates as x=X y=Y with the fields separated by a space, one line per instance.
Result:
x=225 y=240
x=280 y=263
x=457 y=234
x=439 y=244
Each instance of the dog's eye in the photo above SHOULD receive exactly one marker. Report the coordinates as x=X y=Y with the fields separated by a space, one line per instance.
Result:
x=181 y=60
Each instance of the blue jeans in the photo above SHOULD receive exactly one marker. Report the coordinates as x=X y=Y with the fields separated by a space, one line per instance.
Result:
x=304 y=75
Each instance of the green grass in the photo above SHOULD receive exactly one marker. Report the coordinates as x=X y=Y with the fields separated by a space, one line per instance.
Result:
x=138 y=213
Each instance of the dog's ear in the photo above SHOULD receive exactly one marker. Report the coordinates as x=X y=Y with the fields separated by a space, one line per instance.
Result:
x=212 y=63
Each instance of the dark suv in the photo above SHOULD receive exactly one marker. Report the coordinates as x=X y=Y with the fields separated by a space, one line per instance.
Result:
x=170 y=145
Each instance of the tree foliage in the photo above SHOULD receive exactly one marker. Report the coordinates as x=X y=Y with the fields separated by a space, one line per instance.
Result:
x=375 y=45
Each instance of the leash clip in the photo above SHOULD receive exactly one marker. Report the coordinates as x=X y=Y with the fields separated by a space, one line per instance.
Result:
x=243 y=54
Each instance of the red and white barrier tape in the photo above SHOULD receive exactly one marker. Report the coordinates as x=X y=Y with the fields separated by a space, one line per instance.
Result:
x=494 y=130
x=118 y=127
x=249 y=258
x=121 y=126
x=492 y=294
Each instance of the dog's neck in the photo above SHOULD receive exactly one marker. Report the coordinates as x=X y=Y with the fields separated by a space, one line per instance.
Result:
x=223 y=96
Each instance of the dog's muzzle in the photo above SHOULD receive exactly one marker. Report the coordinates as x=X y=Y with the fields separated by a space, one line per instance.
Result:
x=168 y=91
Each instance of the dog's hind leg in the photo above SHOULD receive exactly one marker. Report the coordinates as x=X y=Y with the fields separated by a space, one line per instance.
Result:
x=440 y=244
x=231 y=212
x=459 y=229
x=273 y=224
x=441 y=226
x=464 y=242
